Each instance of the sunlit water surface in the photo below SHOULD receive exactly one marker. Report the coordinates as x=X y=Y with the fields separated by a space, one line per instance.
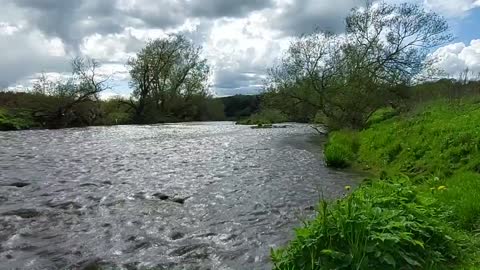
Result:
x=75 y=198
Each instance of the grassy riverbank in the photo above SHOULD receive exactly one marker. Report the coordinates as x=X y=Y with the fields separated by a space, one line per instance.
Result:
x=15 y=121
x=422 y=211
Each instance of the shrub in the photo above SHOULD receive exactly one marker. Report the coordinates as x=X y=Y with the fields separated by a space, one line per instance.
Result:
x=268 y=116
x=9 y=121
x=338 y=156
x=381 y=115
x=382 y=225
x=341 y=148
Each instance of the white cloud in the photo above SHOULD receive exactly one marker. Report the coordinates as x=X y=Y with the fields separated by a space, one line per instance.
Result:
x=452 y=8
x=240 y=51
x=455 y=58
x=112 y=47
x=241 y=39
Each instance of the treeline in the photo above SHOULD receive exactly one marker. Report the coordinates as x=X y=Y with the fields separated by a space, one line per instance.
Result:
x=24 y=110
x=169 y=79
x=409 y=97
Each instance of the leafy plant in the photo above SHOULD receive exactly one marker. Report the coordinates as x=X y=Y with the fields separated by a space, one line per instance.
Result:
x=382 y=225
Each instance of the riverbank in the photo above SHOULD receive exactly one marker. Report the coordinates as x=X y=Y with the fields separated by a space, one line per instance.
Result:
x=419 y=212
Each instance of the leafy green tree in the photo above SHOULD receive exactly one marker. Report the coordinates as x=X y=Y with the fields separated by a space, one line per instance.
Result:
x=349 y=76
x=166 y=74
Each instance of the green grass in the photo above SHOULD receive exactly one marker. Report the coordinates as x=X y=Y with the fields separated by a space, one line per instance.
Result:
x=436 y=141
x=462 y=194
x=341 y=148
x=420 y=212
x=10 y=121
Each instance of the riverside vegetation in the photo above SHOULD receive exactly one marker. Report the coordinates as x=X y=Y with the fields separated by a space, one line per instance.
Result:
x=385 y=104
x=420 y=211
x=390 y=113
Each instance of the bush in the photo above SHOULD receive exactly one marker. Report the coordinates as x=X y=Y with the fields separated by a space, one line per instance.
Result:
x=382 y=225
x=340 y=149
x=9 y=121
x=265 y=117
x=381 y=115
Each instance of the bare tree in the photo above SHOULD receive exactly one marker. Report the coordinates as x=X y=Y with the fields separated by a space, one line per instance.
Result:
x=85 y=84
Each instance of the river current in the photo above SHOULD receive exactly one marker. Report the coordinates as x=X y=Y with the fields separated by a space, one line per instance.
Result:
x=176 y=196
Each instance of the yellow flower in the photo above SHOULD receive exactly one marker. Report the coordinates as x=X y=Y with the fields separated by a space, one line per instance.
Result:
x=442 y=188
x=348 y=187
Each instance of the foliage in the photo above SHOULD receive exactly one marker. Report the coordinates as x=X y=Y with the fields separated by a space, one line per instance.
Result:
x=241 y=106
x=425 y=204
x=167 y=75
x=9 y=121
x=341 y=148
x=382 y=225
x=381 y=115
x=268 y=116
x=348 y=77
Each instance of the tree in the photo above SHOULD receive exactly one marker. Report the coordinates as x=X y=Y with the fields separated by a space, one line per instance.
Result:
x=166 y=74
x=83 y=86
x=349 y=76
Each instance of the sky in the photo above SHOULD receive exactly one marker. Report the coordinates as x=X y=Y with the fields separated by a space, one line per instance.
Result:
x=240 y=38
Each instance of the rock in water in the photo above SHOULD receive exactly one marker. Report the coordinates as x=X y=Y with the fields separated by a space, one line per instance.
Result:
x=179 y=200
x=176 y=235
x=64 y=205
x=161 y=196
x=17 y=184
x=88 y=185
x=23 y=213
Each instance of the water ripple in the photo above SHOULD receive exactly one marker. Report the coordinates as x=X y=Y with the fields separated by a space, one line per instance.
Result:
x=179 y=196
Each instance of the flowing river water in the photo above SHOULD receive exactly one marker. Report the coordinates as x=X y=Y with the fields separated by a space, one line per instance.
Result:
x=177 y=196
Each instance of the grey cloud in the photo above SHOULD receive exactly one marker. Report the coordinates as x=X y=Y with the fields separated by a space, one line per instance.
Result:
x=230 y=82
x=22 y=56
x=71 y=20
x=227 y=8
x=306 y=16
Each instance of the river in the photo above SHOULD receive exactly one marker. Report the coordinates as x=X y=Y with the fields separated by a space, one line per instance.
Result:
x=177 y=196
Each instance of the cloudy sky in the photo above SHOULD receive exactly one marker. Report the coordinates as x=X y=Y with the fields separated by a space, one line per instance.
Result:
x=241 y=38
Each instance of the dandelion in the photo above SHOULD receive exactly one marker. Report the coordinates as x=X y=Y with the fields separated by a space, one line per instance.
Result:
x=442 y=188
x=348 y=188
